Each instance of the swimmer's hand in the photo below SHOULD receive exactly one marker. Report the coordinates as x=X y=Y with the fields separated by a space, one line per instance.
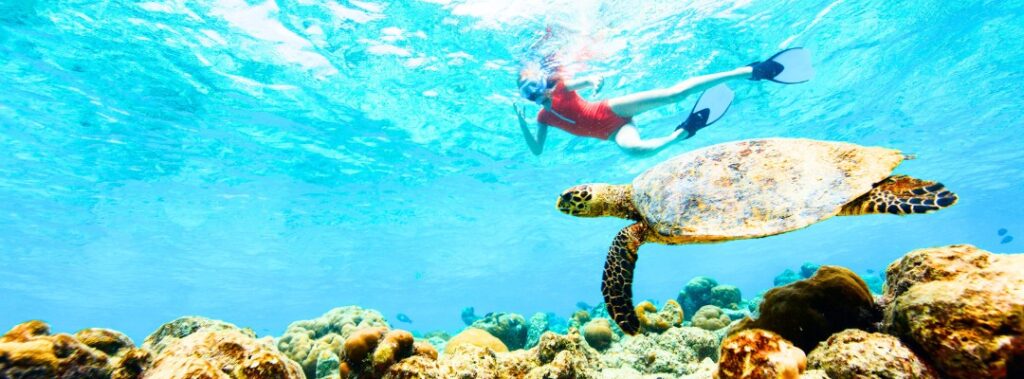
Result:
x=598 y=83
x=521 y=112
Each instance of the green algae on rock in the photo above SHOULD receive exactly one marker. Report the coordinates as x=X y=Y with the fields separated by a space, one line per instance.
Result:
x=961 y=306
x=855 y=354
x=808 y=311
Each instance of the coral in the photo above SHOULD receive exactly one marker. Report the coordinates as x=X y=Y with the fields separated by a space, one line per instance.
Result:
x=960 y=306
x=381 y=353
x=696 y=294
x=469 y=316
x=579 y=318
x=437 y=339
x=510 y=328
x=808 y=269
x=544 y=322
x=555 y=356
x=756 y=354
x=854 y=354
x=221 y=353
x=29 y=351
x=110 y=342
x=475 y=337
x=806 y=312
x=315 y=343
x=710 y=317
x=725 y=296
x=183 y=327
x=677 y=351
x=786 y=277
x=654 y=321
x=598 y=333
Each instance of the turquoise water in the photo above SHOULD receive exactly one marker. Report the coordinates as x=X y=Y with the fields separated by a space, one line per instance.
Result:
x=263 y=162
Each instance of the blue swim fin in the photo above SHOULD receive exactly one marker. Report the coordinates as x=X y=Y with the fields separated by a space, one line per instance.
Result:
x=790 y=66
x=710 y=107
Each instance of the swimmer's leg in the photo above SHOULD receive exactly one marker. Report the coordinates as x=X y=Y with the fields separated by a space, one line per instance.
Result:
x=628 y=138
x=640 y=102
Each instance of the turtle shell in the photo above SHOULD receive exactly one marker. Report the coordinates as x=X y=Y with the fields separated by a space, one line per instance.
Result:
x=756 y=188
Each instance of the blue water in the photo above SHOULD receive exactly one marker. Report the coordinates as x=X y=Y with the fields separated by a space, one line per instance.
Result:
x=263 y=162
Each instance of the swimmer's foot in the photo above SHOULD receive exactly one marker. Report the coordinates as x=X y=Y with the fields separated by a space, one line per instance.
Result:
x=790 y=66
x=710 y=107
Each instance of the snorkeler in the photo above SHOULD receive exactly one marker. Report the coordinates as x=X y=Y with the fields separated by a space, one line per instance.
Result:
x=612 y=119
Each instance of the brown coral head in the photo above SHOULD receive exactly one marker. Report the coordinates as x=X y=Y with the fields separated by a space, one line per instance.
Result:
x=598 y=333
x=262 y=365
x=761 y=354
x=25 y=331
x=361 y=343
x=757 y=354
x=425 y=350
x=654 y=321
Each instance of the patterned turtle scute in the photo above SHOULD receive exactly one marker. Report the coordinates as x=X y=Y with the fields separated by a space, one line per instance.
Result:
x=755 y=188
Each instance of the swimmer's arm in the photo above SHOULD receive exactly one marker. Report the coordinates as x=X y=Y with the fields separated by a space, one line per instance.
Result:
x=536 y=145
x=588 y=82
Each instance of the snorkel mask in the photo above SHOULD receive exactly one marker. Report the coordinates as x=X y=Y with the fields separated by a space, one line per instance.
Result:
x=533 y=90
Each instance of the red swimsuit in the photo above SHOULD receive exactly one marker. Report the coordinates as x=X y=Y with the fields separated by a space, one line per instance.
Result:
x=580 y=117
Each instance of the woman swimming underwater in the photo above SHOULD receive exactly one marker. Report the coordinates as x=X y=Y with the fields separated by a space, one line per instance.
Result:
x=611 y=119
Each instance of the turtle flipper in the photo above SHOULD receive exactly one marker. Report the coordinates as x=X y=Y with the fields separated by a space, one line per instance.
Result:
x=901 y=195
x=617 y=284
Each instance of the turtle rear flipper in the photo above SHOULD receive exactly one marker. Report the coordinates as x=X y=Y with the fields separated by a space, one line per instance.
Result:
x=617 y=284
x=901 y=195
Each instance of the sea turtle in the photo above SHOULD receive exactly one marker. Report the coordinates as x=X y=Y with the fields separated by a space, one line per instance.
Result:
x=745 y=189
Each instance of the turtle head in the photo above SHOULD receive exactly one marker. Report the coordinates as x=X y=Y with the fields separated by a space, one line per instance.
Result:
x=595 y=200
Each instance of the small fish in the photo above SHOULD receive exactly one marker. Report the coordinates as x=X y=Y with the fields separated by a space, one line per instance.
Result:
x=583 y=306
x=870 y=271
x=403 y=318
x=1002 y=231
x=419 y=275
x=1006 y=240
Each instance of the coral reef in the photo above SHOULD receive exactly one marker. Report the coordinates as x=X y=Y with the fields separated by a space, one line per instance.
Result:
x=579 y=318
x=808 y=269
x=315 y=343
x=555 y=356
x=469 y=316
x=381 y=353
x=654 y=321
x=475 y=337
x=510 y=328
x=786 y=277
x=726 y=296
x=962 y=307
x=756 y=354
x=598 y=333
x=541 y=323
x=808 y=311
x=29 y=351
x=677 y=351
x=854 y=354
x=182 y=327
x=710 y=317
x=224 y=353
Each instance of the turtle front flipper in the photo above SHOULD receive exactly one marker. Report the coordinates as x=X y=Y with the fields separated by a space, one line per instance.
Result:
x=901 y=195
x=617 y=284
